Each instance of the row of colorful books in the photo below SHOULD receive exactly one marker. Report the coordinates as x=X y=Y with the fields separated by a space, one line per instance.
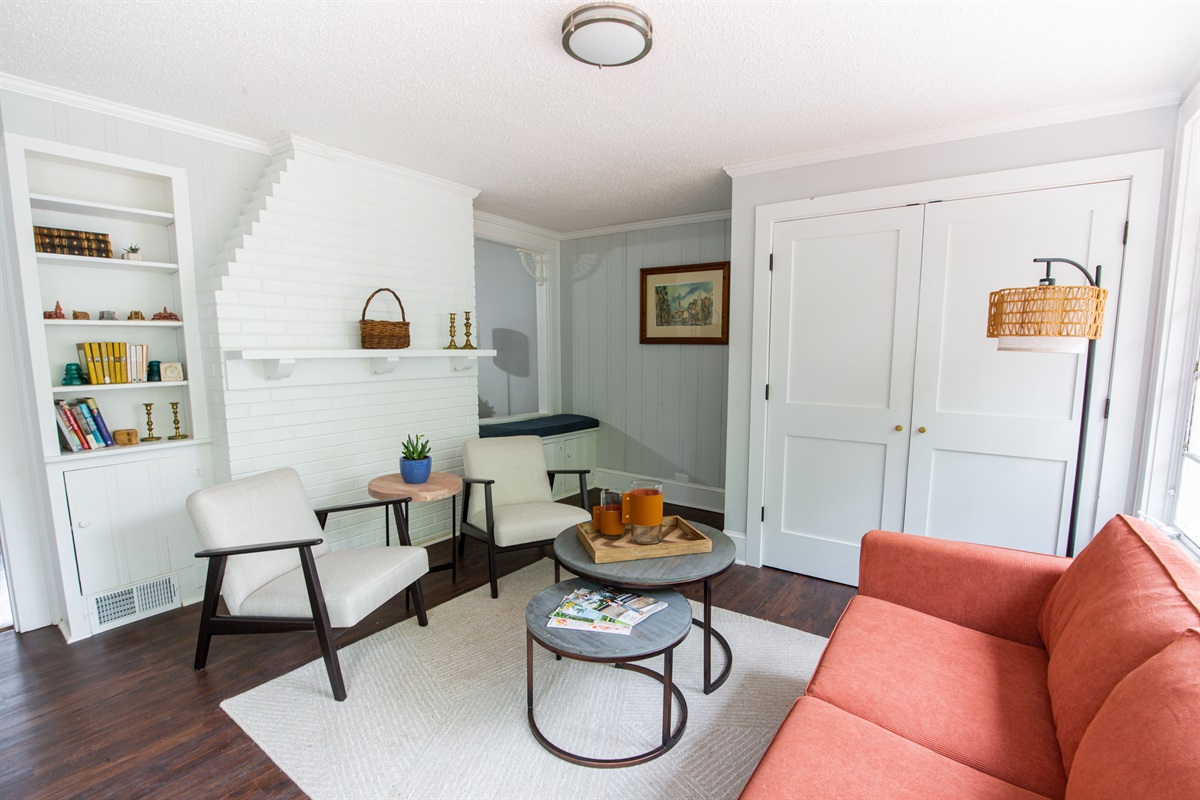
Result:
x=81 y=426
x=604 y=610
x=114 y=362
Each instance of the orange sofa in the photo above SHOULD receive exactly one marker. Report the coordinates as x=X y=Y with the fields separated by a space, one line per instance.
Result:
x=965 y=671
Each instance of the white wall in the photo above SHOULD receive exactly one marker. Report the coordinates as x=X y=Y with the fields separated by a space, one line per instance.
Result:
x=1124 y=133
x=661 y=407
x=506 y=323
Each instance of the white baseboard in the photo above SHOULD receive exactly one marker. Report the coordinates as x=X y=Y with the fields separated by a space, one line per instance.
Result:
x=739 y=543
x=693 y=495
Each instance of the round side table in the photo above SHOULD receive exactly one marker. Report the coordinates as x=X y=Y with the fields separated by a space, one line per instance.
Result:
x=658 y=634
x=439 y=486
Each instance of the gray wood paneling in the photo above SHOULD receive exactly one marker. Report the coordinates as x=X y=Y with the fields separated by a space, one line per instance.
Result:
x=661 y=408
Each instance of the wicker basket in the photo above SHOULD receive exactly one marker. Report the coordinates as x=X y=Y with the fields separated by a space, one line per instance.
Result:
x=382 y=334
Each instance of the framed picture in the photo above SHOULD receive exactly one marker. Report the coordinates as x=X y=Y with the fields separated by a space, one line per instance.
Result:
x=686 y=305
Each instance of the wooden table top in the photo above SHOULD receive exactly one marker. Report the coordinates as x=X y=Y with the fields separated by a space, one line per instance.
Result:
x=662 y=629
x=392 y=487
x=667 y=571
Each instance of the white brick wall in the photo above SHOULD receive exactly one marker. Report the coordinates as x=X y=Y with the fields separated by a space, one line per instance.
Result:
x=319 y=235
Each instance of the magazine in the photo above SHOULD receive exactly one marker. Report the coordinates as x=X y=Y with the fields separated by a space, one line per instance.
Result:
x=607 y=610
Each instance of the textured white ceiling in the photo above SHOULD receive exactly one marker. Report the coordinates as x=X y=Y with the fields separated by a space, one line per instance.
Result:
x=481 y=93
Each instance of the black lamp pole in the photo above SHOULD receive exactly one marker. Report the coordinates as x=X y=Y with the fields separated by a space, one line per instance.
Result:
x=1087 y=398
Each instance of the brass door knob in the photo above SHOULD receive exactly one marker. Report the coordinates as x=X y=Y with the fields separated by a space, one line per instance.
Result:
x=921 y=429
x=899 y=427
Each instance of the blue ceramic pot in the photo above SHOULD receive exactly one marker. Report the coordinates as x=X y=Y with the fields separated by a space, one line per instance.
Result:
x=415 y=471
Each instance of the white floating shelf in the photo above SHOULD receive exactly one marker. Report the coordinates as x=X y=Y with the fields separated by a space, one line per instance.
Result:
x=57 y=259
x=49 y=203
x=278 y=364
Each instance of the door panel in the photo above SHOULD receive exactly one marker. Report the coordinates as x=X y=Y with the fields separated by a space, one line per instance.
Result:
x=843 y=330
x=1005 y=425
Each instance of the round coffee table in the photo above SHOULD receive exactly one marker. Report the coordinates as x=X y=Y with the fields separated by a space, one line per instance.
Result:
x=658 y=634
x=657 y=573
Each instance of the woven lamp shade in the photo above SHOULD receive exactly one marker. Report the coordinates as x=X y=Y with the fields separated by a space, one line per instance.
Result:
x=1046 y=318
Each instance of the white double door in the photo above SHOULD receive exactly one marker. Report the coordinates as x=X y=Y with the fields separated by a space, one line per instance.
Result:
x=889 y=408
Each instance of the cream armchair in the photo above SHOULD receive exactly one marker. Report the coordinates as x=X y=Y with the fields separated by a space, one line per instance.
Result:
x=273 y=586
x=508 y=505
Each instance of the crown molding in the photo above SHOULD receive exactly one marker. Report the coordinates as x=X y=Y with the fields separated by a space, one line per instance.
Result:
x=689 y=219
x=287 y=144
x=1170 y=97
x=11 y=83
x=521 y=227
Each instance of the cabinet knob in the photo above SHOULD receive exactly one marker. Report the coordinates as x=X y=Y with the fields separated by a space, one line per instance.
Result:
x=921 y=429
x=899 y=427
x=83 y=523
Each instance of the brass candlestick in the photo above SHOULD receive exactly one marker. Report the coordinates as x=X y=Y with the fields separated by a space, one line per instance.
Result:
x=452 y=345
x=150 y=437
x=175 y=413
x=467 y=332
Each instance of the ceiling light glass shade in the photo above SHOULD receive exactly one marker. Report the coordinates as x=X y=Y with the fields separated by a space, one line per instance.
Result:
x=1046 y=319
x=607 y=34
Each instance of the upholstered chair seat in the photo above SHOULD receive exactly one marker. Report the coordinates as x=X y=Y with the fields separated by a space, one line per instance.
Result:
x=530 y=522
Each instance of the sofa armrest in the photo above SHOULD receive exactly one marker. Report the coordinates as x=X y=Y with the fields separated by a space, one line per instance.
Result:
x=991 y=589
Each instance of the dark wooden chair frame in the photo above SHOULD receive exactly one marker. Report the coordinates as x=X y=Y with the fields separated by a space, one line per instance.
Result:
x=488 y=536
x=213 y=623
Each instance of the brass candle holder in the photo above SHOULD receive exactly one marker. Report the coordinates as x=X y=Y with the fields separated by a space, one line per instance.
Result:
x=150 y=437
x=452 y=345
x=467 y=332
x=175 y=414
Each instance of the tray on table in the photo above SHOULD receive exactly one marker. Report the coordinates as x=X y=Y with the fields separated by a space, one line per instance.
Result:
x=679 y=538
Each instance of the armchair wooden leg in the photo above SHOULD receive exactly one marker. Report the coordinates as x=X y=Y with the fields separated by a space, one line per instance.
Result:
x=492 y=568
x=321 y=622
x=208 y=610
x=418 y=601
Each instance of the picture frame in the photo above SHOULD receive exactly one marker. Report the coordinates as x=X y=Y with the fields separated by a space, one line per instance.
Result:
x=685 y=305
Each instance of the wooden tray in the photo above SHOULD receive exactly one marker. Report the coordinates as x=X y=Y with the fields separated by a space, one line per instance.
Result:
x=679 y=538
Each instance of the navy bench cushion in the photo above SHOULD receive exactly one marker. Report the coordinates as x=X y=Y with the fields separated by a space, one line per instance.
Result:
x=540 y=426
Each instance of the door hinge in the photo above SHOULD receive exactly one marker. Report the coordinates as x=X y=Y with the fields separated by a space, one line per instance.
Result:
x=771 y=263
x=1107 y=406
x=768 y=391
x=1125 y=235
x=763 y=516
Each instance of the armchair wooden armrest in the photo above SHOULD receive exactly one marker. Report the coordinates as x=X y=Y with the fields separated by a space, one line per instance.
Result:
x=264 y=547
x=582 y=473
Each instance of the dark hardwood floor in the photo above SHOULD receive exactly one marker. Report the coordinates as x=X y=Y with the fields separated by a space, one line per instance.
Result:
x=123 y=714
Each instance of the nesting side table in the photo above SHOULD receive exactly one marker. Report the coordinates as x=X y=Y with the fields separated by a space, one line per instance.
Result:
x=439 y=486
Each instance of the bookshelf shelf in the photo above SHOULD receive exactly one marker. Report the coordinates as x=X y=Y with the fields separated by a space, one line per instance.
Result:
x=133 y=450
x=110 y=323
x=278 y=364
x=89 y=388
x=56 y=259
x=44 y=202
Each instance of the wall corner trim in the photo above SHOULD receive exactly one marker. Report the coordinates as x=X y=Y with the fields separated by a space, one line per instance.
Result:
x=299 y=144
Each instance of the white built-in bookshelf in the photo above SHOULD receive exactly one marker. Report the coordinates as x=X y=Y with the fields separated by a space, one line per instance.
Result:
x=122 y=539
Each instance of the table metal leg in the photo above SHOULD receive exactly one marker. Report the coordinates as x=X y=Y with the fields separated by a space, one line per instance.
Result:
x=710 y=685
x=453 y=537
x=387 y=528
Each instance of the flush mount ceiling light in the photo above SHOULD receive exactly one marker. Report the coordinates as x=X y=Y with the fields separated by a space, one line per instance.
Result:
x=607 y=34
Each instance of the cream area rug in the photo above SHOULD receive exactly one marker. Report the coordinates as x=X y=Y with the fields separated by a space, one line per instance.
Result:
x=439 y=712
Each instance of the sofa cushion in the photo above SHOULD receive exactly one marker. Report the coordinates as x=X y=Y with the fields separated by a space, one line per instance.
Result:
x=1157 y=706
x=1128 y=595
x=975 y=698
x=824 y=753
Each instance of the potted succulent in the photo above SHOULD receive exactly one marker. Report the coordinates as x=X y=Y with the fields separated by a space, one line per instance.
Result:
x=416 y=463
x=132 y=253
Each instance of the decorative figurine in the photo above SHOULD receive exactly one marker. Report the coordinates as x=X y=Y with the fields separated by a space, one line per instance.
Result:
x=135 y=315
x=166 y=316
x=57 y=313
x=467 y=332
x=80 y=315
x=453 y=345
x=73 y=375
x=175 y=414
x=110 y=315
x=150 y=437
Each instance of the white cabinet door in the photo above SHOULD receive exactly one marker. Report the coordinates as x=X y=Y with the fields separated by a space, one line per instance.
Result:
x=996 y=464
x=843 y=330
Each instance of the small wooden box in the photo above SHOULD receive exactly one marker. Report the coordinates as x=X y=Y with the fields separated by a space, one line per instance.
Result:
x=679 y=538
x=125 y=436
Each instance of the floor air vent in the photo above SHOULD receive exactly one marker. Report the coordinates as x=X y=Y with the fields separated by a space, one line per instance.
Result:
x=135 y=602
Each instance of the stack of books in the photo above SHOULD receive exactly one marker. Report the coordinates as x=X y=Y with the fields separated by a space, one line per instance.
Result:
x=604 y=610
x=113 y=362
x=71 y=243
x=81 y=426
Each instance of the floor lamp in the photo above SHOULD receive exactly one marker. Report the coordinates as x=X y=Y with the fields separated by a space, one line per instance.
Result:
x=1054 y=319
